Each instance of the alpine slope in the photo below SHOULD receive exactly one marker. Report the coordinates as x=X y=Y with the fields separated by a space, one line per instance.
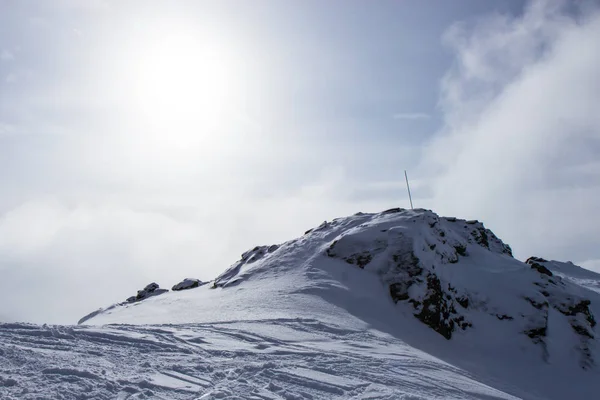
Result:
x=402 y=304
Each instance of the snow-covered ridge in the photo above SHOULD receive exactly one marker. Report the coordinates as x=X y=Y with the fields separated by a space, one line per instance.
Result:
x=453 y=275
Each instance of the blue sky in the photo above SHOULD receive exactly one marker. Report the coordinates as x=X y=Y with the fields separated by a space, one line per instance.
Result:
x=151 y=140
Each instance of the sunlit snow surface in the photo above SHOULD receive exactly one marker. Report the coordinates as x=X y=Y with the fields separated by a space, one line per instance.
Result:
x=296 y=324
x=261 y=359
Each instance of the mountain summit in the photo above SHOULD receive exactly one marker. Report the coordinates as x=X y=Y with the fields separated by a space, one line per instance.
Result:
x=453 y=275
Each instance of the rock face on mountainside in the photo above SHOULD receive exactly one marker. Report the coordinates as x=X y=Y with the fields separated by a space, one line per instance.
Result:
x=409 y=277
x=453 y=275
x=421 y=269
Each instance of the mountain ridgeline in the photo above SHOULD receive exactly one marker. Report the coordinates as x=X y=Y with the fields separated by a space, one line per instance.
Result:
x=452 y=275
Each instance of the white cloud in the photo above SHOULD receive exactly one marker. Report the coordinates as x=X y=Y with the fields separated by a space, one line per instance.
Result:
x=62 y=257
x=411 y=116
x=521 y=139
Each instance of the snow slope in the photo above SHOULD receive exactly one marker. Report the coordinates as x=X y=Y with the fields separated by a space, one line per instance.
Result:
x=275 y=358
x=396 y=305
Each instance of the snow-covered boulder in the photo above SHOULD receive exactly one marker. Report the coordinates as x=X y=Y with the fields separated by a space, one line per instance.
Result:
x=152 y=289
x=188 y=283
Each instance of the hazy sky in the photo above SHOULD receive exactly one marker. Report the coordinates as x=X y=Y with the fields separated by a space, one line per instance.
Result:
x=156 y=140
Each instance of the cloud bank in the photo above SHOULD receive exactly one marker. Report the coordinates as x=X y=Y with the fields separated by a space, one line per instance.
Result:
x=521 y=137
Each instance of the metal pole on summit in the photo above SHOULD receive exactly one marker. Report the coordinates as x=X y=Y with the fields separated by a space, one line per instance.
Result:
x=408 y=187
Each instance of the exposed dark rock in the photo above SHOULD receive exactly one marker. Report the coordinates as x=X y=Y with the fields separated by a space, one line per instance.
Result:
x=399 y=291
x=504 y=317
x=537 y=333
x=255 y=254
x=461 y=249
x=481 y=237
x=540 y=268
x=330 y=252
x=584 y=307
x=359 y=259
x=188 y=283
x=353 y=254
x=581 y=307
x=460 y=321
x=507 y=249
x=416 y=304
x=150 y=290
x=436 y=311
x=392 y=211
x=582 y=330
x=408 y=262
x=536 y=304
x=536 y=259
x=463 y=301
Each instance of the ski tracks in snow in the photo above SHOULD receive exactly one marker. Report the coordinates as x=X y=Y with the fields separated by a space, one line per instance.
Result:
x=294 y=359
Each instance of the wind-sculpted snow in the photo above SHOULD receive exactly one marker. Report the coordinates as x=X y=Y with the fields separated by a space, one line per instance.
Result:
x=260 y=359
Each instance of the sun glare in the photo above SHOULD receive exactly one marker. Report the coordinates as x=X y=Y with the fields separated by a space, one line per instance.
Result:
x=184 y=86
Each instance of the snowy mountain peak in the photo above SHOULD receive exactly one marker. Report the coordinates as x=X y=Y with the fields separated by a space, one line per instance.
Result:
x=411 y=269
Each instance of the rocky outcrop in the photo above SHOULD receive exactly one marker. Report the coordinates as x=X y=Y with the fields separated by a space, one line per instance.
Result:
x=391 y=253
x=537 y=264
x=150 y=290
x=188 y=283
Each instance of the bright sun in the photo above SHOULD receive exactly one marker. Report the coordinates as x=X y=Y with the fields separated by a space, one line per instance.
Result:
x=184 y=85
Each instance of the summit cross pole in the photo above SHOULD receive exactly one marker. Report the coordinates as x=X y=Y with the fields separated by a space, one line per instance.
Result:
x=408 y=188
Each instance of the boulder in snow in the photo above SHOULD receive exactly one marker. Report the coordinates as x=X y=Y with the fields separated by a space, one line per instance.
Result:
x=150 y=290
x=188 y=283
